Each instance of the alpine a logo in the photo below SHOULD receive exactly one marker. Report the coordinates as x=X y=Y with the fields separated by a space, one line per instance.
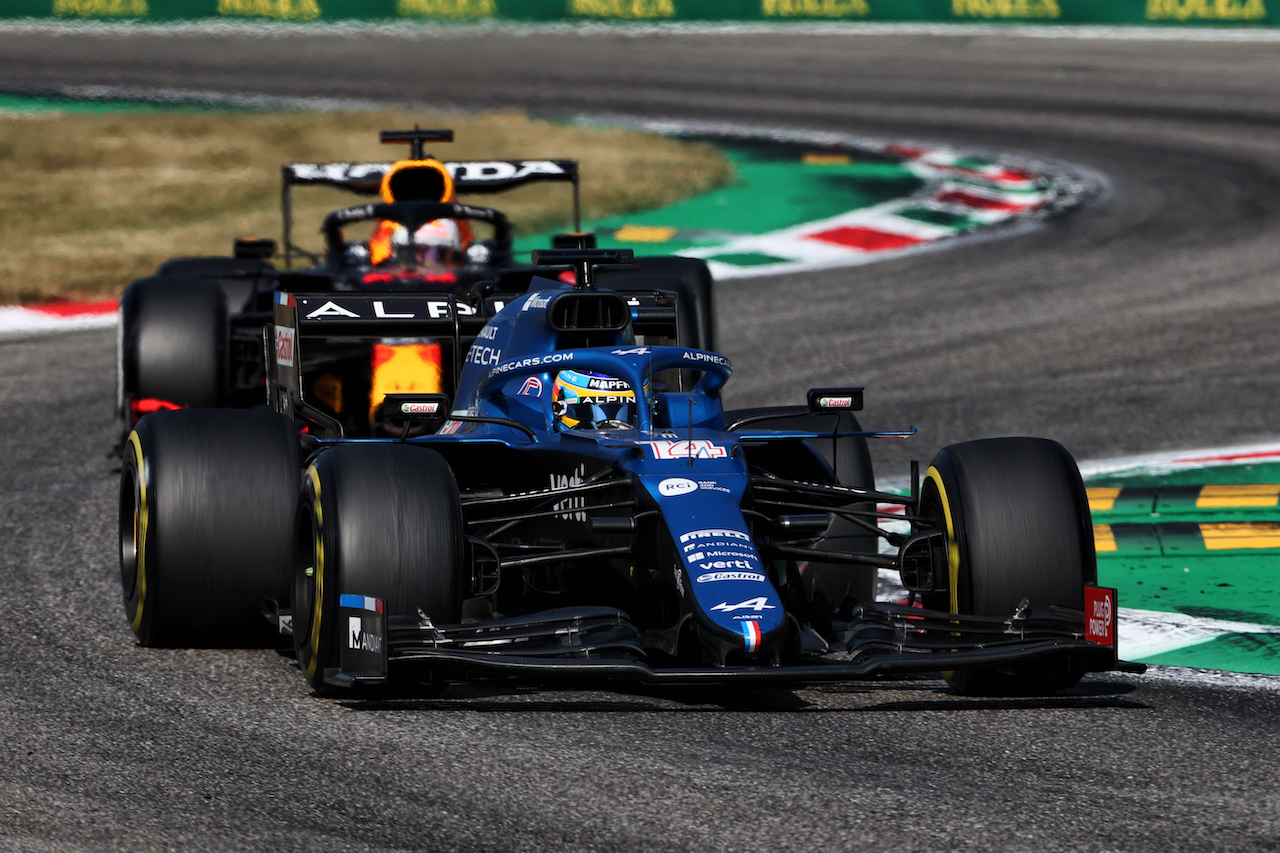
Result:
x=755 y=604
x=673 y=486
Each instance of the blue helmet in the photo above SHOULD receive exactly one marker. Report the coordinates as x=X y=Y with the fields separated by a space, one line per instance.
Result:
x=586 y=400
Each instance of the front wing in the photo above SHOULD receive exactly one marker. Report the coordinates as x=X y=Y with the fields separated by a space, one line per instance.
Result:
x=602 y=644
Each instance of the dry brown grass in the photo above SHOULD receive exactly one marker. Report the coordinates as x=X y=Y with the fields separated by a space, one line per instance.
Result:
x=90 y=202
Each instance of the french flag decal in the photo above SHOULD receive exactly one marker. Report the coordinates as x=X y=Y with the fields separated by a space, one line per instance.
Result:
x=361 y=602
x=751 y=635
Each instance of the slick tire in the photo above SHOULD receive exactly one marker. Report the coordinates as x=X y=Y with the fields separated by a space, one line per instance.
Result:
x=173 y=343
x=377 y=520
x=207 y=501
x=1017 y=526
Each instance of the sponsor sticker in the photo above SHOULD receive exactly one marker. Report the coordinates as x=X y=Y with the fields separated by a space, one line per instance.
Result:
x=697 y=448
x=740 y=563
x=714 y=533
x=835 y=402
x=536 y=300
x=484 y=356
x=567 y=506
x=429 y=408
x=712 y=577
x=1100 y=615
x=331 y=309
x=285 y=340
x=673 y=486
x=501 y=170
x=696 y=357
x=534 y=361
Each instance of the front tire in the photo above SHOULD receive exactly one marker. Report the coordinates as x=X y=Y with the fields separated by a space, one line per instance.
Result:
x=377 y=520
x=207 y=503
x=1017 y=525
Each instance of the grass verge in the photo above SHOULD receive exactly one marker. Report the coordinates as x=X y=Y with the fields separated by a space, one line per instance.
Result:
x=92 y=201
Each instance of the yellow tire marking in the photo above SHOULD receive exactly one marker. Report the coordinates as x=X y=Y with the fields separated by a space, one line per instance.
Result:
x=953 y=546
x=313 y=641
x=141 y=522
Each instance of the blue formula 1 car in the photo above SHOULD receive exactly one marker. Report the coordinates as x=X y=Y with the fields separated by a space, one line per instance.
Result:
x=584 y=508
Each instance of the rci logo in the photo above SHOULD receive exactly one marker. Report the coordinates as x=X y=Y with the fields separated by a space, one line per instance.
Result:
x=446 y=8
x=1206 y=10
x=284 y=10
x=100 y=8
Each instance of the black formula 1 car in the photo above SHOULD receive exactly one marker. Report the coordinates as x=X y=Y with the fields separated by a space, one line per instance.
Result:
x=191 y=335
x=584 y=508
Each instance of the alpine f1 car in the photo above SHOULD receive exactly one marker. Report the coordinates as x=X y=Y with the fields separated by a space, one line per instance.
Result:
x=585 y=508
x=191 y=335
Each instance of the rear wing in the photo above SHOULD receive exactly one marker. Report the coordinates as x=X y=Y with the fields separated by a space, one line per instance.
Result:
x=299 y=316
x=469 y=176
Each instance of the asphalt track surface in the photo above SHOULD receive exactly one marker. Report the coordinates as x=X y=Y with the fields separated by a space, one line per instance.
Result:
x=1144 y=322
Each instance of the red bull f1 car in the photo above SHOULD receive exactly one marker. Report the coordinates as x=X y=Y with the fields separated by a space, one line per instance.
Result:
x=191 y=335
x=582 y=507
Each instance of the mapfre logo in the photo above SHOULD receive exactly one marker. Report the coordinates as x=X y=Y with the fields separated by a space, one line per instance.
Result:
x=676 y=486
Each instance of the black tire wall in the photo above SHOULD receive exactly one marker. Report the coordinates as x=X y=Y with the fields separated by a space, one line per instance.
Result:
x=207 y=505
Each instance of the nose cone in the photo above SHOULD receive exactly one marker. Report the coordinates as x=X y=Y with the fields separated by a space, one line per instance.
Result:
x=721 y=578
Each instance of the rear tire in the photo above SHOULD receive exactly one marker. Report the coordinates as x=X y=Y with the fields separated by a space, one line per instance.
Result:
x=1017 y=526
x=378 y=520
x=206 y=521
x=173 y=343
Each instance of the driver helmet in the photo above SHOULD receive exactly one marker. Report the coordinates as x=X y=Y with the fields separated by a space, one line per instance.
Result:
x=438 y=243
x=582 y=399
